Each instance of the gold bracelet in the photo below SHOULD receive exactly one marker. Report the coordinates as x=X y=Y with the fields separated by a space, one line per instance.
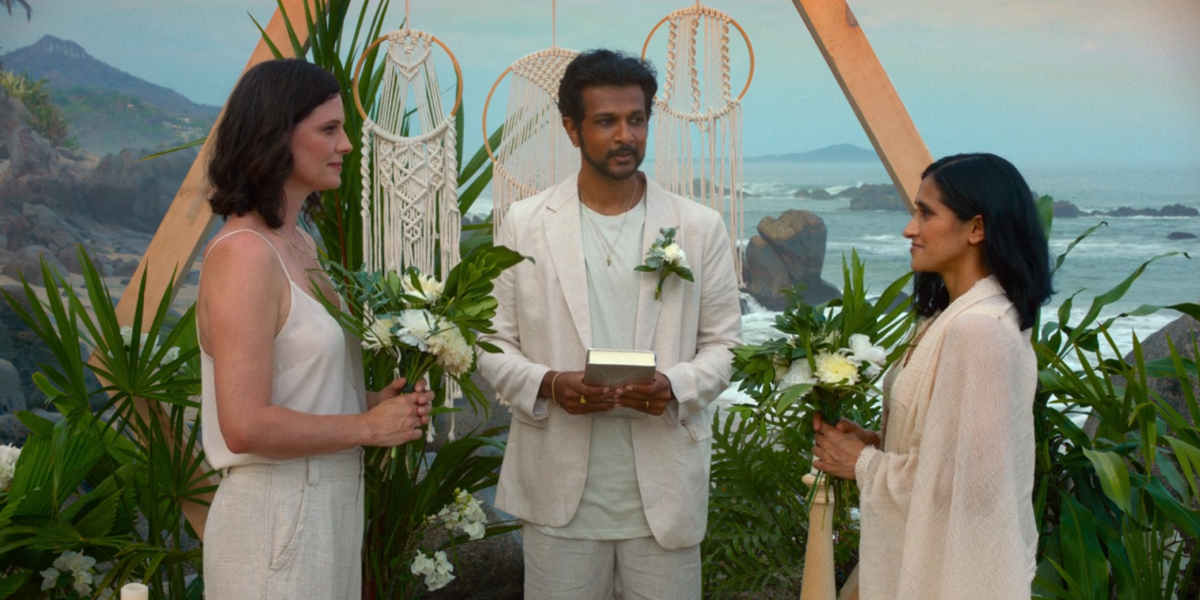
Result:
x=553 y=380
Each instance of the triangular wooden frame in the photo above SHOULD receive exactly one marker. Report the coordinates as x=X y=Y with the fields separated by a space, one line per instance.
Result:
x=188 y=222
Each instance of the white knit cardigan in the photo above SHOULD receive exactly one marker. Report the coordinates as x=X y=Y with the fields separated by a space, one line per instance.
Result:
x=946 y=505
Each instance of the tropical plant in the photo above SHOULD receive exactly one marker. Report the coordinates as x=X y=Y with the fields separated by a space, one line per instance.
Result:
x=398 y=508
x=757 y=532
x=45 y=117
x=110 y=485
x=1117 y=500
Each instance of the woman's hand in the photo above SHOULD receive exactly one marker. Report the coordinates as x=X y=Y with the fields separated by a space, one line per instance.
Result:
x=837 y=448
x=866 y=436
x=397 y=418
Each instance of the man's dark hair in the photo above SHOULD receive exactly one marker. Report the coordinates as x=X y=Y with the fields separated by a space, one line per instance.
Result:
x=251 y=159
x=603 y=68
x=1015 y=249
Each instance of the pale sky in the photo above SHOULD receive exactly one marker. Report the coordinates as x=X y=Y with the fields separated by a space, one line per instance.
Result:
x=1037 y=81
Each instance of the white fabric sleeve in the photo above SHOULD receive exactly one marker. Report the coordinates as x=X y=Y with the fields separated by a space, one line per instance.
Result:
x=697 y=382
x=515 y=378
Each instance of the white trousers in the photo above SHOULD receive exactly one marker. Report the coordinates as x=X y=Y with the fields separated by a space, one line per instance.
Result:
x=637 y=569
x=288 y=530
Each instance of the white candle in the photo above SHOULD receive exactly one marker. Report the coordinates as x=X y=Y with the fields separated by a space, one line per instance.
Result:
x=135 y=591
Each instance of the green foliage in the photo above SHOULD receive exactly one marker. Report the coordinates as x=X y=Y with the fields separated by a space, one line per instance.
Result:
x=45 y=117
x=84 y=483
x=757 y=530
x=1116 y=501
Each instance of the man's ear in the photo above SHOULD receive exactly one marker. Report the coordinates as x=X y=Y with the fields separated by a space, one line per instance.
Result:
x=572 y=131
x=976 y=233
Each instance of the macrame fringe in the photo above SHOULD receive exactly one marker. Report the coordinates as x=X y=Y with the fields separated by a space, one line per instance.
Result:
x=698 y=122
x=410 y=184
x=535 y=152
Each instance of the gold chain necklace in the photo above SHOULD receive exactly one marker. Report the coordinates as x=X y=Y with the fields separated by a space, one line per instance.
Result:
x=609 y=248
x=304 y=251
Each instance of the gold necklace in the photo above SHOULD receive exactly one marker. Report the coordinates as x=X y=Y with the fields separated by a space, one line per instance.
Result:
x=305 y=251
x=609 y=248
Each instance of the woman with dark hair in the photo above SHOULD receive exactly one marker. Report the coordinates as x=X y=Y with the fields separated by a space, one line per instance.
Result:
x=284 y=409
x=946 y=484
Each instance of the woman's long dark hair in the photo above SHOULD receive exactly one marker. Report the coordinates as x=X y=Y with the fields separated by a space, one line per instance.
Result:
x=251 y=160
x=1015 y=249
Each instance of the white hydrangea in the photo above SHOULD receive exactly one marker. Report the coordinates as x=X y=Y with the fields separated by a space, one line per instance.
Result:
x=416 y=326
x=430 y=288
x=8 y=464
x=451 y=349
x=437 y=570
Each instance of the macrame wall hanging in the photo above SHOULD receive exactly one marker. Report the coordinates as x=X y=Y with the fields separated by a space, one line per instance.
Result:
x=697 y=120
x=410 y=210
x=535 y=152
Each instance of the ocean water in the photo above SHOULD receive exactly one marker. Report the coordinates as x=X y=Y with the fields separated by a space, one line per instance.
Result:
x=1097 y=264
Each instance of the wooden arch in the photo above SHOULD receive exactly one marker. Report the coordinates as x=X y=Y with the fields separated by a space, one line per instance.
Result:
x=188 y=222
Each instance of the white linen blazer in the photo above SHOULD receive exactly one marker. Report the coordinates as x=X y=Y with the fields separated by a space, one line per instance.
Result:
x=543 y=323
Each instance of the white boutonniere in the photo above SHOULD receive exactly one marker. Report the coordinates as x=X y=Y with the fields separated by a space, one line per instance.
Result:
x=666 y=257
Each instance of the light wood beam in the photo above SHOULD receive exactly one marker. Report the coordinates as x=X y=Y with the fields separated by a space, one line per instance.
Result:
x=869 y=91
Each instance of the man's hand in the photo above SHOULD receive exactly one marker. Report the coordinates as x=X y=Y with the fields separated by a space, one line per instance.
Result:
x=651 y=398
x=568 y=390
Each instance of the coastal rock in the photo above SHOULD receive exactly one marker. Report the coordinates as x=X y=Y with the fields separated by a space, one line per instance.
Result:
x=12 y=115
x=29 y=153
x=788 y=250
x=874 y=196
x=128 y=191
x=1181 y=235
x=40 y=225
x=12 y=398
x=813 y=194
x=27 y=262
x=1183 y=333
x=1066 y=210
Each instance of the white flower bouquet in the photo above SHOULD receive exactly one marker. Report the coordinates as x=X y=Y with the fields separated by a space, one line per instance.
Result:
x=827 y=361
x=414 y=326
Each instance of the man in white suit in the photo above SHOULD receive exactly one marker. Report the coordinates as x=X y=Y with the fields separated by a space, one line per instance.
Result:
x=614 y=501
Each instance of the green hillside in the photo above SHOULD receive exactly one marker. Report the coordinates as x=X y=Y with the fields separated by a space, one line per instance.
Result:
x=105 y=121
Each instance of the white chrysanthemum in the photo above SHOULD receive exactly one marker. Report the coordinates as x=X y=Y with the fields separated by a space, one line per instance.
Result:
x=835 y=368
x=798 y=373
x=430 y=288
x=674 y=254
x=8 y=464
x=451 y=349
x=416 y=326
x=378 y=334
x=863 y=351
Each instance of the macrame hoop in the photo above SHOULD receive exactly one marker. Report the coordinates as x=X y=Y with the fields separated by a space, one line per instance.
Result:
x=713 y=115
x=409 y=204
x=535 y=152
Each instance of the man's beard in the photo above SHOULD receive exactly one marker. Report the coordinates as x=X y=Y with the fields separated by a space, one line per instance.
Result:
x=601 y=166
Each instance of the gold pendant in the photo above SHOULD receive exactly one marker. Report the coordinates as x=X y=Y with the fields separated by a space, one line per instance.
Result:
x=608 y=262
